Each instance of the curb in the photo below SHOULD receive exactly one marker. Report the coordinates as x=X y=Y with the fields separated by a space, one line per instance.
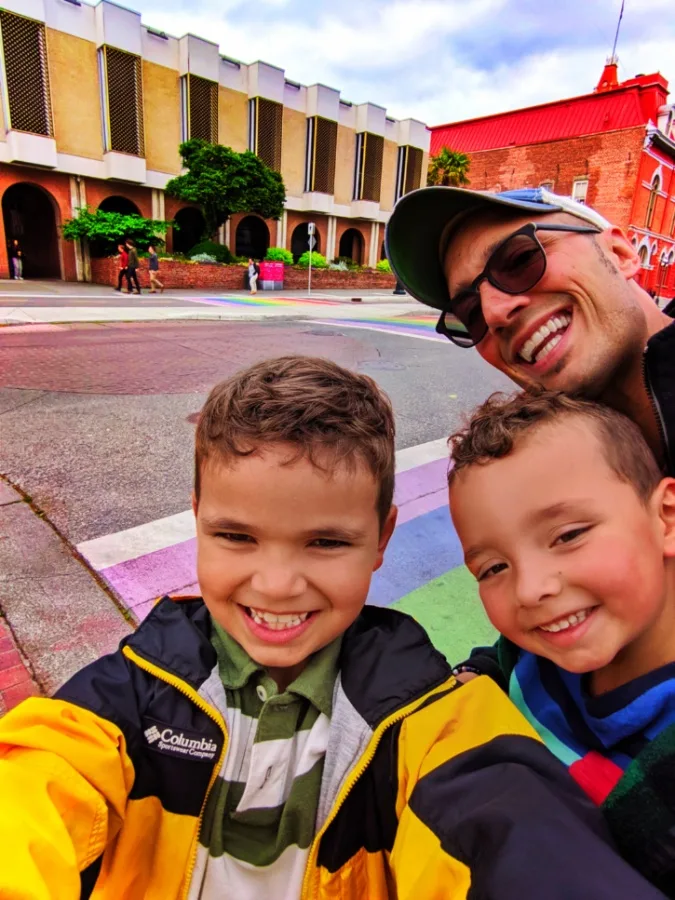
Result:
x=16 y=679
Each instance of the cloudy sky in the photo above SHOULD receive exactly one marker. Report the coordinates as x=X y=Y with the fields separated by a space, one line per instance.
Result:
x=434 y=60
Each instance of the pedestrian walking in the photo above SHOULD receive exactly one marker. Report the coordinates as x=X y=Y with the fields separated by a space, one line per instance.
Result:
x=16 y=255
x=123 y=271
x=253 y=272
x=132 y=266
x=153 y=269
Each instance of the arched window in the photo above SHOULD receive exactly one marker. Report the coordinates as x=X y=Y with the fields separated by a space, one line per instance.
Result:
x=643 y=254
x=651 y=206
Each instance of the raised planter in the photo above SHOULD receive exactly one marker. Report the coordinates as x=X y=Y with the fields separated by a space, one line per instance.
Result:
x=198 y=276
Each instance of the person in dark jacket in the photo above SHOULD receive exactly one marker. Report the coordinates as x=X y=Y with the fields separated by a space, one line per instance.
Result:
x=277 y=738
x=132 y=267
x=153 y=270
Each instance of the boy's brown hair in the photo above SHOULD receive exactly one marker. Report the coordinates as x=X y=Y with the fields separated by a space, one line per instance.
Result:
x=498 y=425
x=331 y=415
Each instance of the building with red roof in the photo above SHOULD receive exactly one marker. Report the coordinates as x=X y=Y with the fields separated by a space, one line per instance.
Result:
x=613 y=149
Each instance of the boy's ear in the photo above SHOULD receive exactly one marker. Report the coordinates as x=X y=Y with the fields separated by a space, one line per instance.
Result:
x=665 y=497
x=385 y=535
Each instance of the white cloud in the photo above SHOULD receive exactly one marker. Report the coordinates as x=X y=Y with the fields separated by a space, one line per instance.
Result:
x=434 y=60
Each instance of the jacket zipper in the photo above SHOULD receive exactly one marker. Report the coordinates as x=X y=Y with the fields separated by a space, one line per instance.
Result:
x=311 y=871
x=212 y=713
x=656 y=409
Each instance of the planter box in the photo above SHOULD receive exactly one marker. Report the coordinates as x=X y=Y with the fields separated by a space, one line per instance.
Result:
x=199 y=276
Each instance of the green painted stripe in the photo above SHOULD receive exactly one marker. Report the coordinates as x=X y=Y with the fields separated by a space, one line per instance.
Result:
x=556 y=746
x=450 y=611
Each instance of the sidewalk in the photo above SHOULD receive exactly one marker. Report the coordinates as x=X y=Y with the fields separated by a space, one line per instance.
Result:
x=55 y=617
x=45 y=303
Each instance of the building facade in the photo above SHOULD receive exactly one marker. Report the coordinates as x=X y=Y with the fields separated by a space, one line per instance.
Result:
x=613 y=149
x=95 y=105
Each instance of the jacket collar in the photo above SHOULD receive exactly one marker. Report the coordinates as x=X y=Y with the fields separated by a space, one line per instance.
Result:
x=386 y=659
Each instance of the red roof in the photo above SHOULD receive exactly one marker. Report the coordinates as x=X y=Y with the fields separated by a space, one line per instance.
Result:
x=610 y=110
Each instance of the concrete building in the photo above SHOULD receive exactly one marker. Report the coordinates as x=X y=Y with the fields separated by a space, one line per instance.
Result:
x=614 y=149
x=95 y=104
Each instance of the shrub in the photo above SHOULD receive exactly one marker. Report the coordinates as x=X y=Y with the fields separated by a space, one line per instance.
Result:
x=383 y=266
x=203 y=258
x=318 y=261
x=219 y=252
x=339 y=266
x=279 y=254
x=347 y=261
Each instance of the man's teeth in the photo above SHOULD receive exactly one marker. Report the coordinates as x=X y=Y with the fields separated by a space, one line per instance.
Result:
x=275 y=622
x=539 y=341
x=563 y=624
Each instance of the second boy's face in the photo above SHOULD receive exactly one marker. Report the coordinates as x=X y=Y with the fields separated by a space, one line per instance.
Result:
x=570 y=563
x=286 y=554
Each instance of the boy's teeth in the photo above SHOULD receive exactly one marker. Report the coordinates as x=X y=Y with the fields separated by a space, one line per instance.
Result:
x=563 y=624
x=550 y=330
x=275 y=622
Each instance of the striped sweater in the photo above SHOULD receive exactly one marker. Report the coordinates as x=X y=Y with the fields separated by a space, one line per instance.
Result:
x=620 y=747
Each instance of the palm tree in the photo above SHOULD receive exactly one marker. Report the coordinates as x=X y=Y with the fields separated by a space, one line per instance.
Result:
x=449 y=168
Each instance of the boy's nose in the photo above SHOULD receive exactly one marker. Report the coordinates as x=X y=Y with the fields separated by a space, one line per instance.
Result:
x=278 y=582
x=534 y=585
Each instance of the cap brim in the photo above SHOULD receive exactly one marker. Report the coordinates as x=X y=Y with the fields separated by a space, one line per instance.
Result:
x=414 y=231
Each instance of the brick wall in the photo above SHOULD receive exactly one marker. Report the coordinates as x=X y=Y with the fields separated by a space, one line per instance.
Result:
x=179 y=275
x=610 y=162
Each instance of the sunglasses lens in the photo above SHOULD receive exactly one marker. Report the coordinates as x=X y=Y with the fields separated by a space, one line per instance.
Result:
x=518 y=264
x=464 y=324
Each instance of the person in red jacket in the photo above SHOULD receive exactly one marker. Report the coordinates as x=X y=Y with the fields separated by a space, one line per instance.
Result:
x=123 y=269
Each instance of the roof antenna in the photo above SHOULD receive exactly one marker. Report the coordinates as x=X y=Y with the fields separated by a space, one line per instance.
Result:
x=616 y=37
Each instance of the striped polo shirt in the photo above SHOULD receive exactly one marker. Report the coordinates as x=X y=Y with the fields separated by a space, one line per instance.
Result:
x=260 y=817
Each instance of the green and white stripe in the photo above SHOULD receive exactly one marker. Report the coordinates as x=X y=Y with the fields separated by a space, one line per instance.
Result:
x=261 y=814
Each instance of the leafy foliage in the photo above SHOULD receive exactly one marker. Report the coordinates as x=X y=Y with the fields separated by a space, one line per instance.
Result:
x=449 y=168
x=219 y=252
x=222 y=181
x=203 y=258
x=347 y=260
x=280 y=254
x=108 y=229
x=383 y=266
x=318 y=261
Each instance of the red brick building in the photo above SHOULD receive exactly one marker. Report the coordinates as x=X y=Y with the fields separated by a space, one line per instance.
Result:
x=613 y=149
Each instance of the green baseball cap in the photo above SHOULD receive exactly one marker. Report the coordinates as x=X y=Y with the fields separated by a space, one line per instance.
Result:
x=417 y=233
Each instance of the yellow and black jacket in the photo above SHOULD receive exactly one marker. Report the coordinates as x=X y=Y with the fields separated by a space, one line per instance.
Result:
x=430 y=790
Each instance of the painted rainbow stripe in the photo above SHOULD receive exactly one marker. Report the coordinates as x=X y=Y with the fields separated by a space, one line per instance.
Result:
x=263 y=302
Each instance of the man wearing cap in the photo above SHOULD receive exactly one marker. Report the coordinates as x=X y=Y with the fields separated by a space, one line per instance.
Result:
x=544 y=288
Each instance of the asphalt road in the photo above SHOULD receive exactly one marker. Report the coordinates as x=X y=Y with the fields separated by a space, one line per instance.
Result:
x=97 y=421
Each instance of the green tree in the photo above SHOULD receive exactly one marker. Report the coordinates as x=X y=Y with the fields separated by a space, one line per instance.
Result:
x=105 y=230
x=223 y=182
x=449 y=168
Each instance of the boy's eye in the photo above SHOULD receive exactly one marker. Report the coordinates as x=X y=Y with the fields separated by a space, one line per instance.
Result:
x=234 y=537
x=328 y=543
x=572 y=534
x=491 y=570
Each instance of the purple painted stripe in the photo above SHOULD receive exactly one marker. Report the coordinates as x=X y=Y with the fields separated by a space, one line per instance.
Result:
x=148 y=577
x=421 y=480
x=421 y=505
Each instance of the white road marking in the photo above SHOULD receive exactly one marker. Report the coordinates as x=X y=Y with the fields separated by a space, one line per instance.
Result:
x=122 y=546
x=366 y=326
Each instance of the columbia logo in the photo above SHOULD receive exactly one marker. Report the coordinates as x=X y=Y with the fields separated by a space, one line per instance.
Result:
x=152 y=734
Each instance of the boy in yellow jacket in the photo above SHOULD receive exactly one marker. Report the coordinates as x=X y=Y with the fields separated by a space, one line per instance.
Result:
x=274 y=738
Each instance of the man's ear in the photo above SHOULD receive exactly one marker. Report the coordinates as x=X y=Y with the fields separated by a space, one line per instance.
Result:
x=622 y=252
x=664 y=496
x=385 y=536
x=195 y=504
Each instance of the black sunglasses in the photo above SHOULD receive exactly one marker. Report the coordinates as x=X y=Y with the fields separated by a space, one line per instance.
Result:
x=514 y=267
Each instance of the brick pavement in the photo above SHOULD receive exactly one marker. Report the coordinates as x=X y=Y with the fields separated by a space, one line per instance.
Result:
x=16 y=680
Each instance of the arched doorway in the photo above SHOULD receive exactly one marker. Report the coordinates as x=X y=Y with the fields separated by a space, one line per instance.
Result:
x=300 y=241
x=119 y=205
x=190 y=231
x=351 y=245
x=383 y=251
x=29 y=213
x=252 y=238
